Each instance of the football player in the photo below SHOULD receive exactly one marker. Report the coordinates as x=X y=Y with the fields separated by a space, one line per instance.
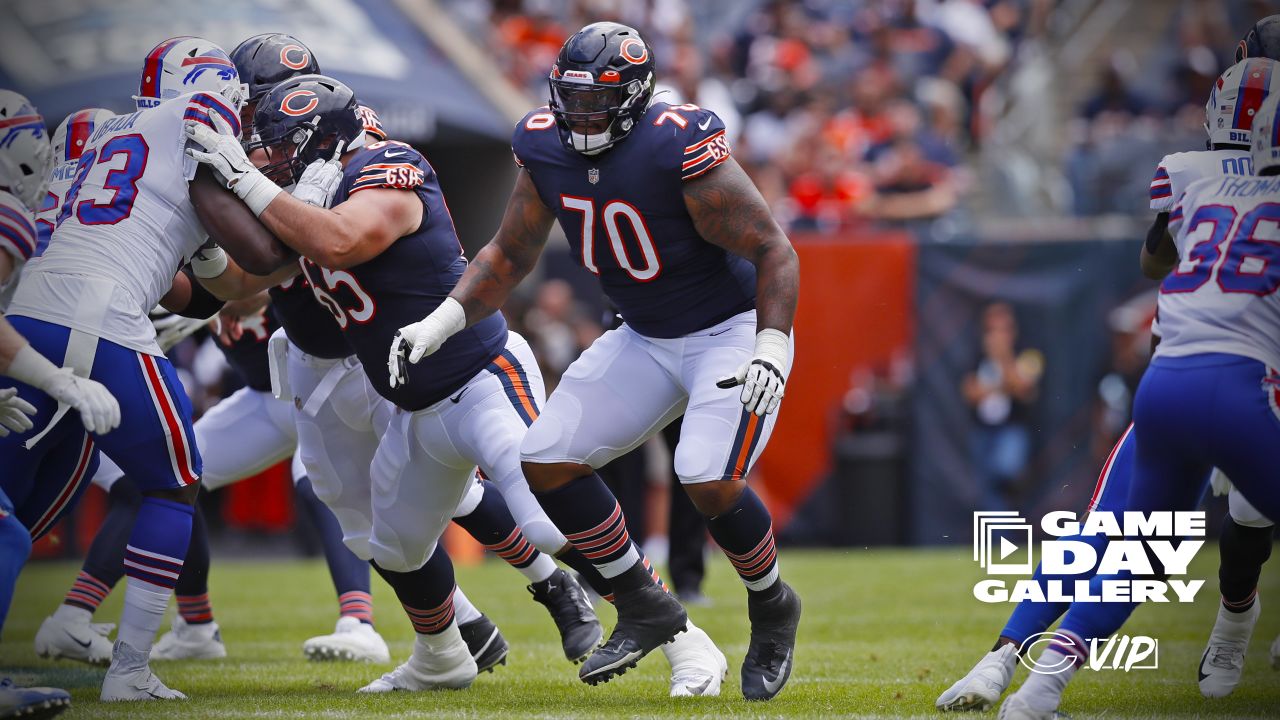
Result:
x=128 y=220
x=706 y=281
x=342 y=405
x=1244 y=86
x=1211 y=396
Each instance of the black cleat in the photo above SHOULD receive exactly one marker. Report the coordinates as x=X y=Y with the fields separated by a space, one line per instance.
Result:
x=485 y=641
x=576 y=620
x=770 y=656
x=648 y=618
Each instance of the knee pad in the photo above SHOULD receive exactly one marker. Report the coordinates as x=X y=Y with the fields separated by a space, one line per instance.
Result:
x=694 y=462
x=471 y=500
x=545 y=536
x=395 y=561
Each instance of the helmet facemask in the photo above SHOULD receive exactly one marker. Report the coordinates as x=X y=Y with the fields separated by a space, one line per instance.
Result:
x=595 y=116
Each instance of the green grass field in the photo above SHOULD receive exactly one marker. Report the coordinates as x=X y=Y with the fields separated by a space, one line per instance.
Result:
x=884 y=632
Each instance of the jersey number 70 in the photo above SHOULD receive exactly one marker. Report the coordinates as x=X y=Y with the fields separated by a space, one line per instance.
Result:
x=649 y=265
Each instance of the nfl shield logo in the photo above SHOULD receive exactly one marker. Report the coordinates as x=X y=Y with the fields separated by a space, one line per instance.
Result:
x=593 y=175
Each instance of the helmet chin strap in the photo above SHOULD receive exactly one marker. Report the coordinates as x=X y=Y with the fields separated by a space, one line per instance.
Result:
x=590 y=144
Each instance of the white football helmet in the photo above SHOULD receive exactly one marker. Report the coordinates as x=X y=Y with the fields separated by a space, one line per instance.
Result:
x=1236 y=97
x=186 y=64
x=1266 y=136
x=25 y=155
x=71 y=137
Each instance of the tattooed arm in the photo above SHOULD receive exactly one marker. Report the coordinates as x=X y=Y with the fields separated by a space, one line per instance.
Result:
x=728 y=211
x=488 y=280
x=509 y=256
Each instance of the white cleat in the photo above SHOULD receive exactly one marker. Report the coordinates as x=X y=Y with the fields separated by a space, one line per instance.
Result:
x=448 y=667
x=985 y=683
x=190 y=642
x=83 y=641
x=351 y=640
x=1223 y=661
x=697 y=665
x=1016 y=708
x=130 y=679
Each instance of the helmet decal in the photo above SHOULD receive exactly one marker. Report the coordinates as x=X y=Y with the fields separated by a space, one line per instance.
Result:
x=634 y=51
x=288 y=106
x=295 y=57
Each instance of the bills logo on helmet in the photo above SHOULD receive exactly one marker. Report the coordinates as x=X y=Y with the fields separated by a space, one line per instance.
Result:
x=214 y=62
x=26 y=119
x=299 y=102
x=634 y=51
x=294 y=57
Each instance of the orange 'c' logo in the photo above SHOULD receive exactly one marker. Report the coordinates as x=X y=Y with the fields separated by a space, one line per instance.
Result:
x=636 y=46
x=291 y=51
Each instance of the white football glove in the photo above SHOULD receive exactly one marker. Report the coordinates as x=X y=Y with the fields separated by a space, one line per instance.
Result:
x=99 y=411
x=319 y=182
x=226 y=157
x=172 y=328
x=15 y=413
x=764 y=377
x=417 y=340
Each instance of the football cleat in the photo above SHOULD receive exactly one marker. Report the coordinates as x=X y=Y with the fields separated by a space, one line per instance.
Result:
x=130 y=678
x=580 y=629
x=697 y=665
x=190 y=642
x=985 y=683
x=83 y=641
x=771 y=654
x=484 y=640
x=449 y=668
x=34 y=703
x=351 y=640
x=1223 y=661
x=648 y=618
x=1017 y=708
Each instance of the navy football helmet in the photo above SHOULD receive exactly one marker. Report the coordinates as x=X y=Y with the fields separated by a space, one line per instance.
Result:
x=601 y=85
x=1263 y=40
x=264 y=61
x=301 y=120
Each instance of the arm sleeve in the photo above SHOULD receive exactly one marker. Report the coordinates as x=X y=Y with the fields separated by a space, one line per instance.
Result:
x=1161 y=189
x=17 y=229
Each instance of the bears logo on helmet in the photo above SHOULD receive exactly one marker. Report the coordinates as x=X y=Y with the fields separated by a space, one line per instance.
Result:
x=289 y=107
x=289 y=52
x=600 y=85
x=295 y=134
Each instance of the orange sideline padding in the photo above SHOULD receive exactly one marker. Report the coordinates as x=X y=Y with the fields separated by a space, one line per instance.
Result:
x=856 y=298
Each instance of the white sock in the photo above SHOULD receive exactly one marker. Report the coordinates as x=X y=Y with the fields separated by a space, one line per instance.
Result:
x=463 y=611
x=1044 y=692
x=72 y=614
x=443 y=640
x=144 y=607
x=539 y=569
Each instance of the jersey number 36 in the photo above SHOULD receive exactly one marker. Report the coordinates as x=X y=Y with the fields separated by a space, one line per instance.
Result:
x=1244 y=263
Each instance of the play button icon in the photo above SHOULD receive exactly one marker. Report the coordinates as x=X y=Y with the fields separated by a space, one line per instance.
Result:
x=1007 y=548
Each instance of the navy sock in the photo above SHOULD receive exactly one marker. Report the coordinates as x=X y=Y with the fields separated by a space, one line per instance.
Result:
x=576 y=560
x=1242 y=550
x=492 y=525
x=426 y=593
x=192 y=590
x=350 y=574
x=15 y=547
x=104 y=563
x=745 y=534
x=591 y=519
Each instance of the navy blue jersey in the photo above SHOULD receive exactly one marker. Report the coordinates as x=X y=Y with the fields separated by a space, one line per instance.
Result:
x=624 y=214
x=405 y=283
x=308 y=324
x=248 y=355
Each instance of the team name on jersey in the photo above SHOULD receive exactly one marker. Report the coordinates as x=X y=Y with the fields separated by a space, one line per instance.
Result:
x=115 y=124
x=1249 y=187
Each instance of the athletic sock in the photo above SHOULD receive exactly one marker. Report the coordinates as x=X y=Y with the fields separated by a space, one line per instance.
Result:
x=350 y=574
x=745 y=534
x=426 y=593
x=15 y=547
x=490 y=522
x=85 y=595
x=1242 y=550
x=576 y=560
x=1043 y=689
x=463 y=610
x=104 y=562
x=192 y=590
x=592 y=520
x=153 y=561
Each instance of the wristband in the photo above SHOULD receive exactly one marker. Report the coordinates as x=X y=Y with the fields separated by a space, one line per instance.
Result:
x=30 y=367
x=256 y=191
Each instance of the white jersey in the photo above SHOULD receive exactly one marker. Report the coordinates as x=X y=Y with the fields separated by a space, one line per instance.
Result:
x=125 y=228
x=1222 y=296
x=1177 y=171
x=17 y=238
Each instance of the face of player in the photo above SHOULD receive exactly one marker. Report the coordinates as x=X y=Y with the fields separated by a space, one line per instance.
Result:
x=587 y=108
